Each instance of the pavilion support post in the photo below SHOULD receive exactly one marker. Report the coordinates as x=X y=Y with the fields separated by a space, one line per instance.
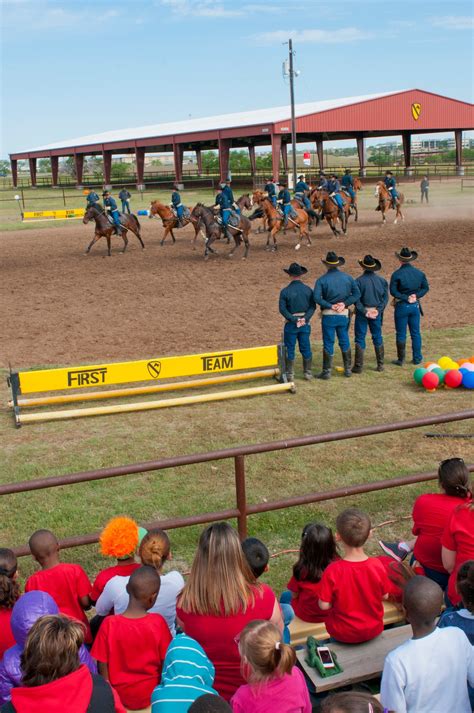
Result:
x=224 y=155
x=140 y=164
x=178 y=162
x=14 y=167
x=361 y=153
x=320 y=153
x=54 y=170
x=107 y=158
x=406 y=141
x=199 y=161
x=79 y=166
x=458 y=143
x=276 y=153
x=284 y=156
x=32 y=162
x=253 y=161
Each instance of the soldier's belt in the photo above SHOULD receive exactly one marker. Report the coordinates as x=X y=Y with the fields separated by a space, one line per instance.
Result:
x=298 y=314
x=332 y=313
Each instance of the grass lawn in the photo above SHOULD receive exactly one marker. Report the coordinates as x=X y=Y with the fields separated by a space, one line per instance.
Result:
x=57 y=448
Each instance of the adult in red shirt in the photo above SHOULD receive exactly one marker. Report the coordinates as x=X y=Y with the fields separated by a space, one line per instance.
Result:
x=119 y=539
x=219 y=599
x=130 y=648
x=318 y=549
x=54 y=681
x=67 y=583
x=9 y=594
x=458 y=545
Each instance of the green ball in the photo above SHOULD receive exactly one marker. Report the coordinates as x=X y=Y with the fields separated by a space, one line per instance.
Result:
x=419 y=373
x=440 y=372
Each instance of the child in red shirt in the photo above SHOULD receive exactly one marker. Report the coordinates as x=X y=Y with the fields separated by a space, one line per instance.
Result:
x=119 y=538
x=130 y=647
x=318 y=549
x=9 y=594
x=353 y=588
x=67 y=583
x=458 y=546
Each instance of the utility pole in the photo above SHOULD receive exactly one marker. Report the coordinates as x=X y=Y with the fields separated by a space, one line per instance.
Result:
x=292 y=102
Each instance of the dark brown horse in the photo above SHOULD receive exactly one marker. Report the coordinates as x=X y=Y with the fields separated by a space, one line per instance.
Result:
x=104 y=229
x=275 y=220
x=385 y=202
x=170 y=221
x=330 y=211
x=214 y=232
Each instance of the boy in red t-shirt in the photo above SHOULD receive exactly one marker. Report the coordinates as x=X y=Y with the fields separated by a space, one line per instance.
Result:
x=353 y=588
x=67 y=583
x=130 y=647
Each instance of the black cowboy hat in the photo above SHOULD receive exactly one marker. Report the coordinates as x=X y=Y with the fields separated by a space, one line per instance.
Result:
x=407 y=255
x=282 y=183
x=105 y=193
x=348 y=170
x=388 y=172
x=370 y=263
x=333 y=260
x=302 y=176
x=295 y=269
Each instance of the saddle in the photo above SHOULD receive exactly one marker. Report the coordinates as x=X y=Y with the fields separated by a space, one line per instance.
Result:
x=123 y=218
x=234 y=219
x=300 y=202
x=346 y=192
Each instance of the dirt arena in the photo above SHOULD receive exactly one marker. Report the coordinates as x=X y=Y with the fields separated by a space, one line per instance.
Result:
x=59 y=306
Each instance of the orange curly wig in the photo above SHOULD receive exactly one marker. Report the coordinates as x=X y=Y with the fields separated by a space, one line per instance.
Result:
x=119 y=538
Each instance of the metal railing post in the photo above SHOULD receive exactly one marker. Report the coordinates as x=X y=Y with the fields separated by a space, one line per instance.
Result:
x=240 y=496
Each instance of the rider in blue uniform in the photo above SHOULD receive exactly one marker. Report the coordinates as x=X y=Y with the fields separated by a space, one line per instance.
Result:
x=111 y=207
x=334 y=190
x=271 y=191
x=230 y=194
x=391 y=186
x=177 y=205
x=301 y=192
x=369 y=312
x=408 y=285
x=347 y=183
x=297 y=306
x=323 y=182
x=284 y=198
x=92 y=198
x=223 y=202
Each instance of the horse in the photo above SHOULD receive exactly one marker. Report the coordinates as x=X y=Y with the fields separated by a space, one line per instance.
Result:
x=213 y=229
x=357 y=186
x=170 y=221
x=275 y=220
x=330 y=210
x=103 y=227
x=385 y=202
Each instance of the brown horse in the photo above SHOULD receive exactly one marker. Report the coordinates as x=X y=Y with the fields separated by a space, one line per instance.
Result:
x=357 y=186
x=330 y=211
x=385 y=202
x=104 y=229
x=170 y=221
x=275 y=220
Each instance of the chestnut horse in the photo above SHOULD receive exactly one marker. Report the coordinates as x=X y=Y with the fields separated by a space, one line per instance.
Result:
x=275 y=220
x=105 y=229
x=357 y=186
x=385 y=202
x=330 y=210
x=170 y=221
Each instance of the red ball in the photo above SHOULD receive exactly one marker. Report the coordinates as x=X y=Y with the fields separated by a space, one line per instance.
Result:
x=453 y=378
x=430 y=380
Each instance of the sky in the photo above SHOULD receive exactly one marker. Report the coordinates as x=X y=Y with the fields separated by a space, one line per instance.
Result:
x=75 y=67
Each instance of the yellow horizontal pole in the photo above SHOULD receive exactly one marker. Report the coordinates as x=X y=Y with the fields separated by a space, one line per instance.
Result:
x=152 y=405
x=149 y=389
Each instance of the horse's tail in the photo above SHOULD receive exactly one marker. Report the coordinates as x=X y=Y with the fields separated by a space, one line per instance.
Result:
x=137 y=222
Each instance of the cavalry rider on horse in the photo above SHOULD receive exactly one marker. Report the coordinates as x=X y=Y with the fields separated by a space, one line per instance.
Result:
x=92 y=198
x=111 y=208
x=230 y=194
x=284 y=198
x=301 y=193
x=323 y=182
x=224 y=204
x=347 y=183
x=270 y=190
x=177 y=205
x=334 y=188
x=391 y=186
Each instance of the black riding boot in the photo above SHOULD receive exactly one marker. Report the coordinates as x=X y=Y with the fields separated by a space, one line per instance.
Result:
x=358 y=360
x=346 y=360
x=400 y=354
x=290 y=369
x=379 y=355
x=307 y=373
x=327 y=366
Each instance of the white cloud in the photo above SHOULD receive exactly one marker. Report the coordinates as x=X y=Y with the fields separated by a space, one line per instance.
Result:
x=454 y=22
x=345 y=34
x=202 y=8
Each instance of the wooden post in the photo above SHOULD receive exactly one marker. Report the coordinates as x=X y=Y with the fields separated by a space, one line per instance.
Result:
x=178 y=162
x=284 y=156
x=224 y=152
x=14 y=166
x=458 y=143
x=276 y=152
x=79 y=164
x=320 y=153
x=199 y=161
x=32 y=162
x=406 y=140
x=140 y=164
x=240 y=496
x=54 y=170
x=107 y=158
x=361 y=152
x=253 y=163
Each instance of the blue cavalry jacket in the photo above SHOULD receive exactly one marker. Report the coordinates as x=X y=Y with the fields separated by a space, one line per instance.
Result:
x=285 y=196
x=408 y=280
x=333 y=186
x=270 y=189
x=110 y=203
x=301 y=187
x=296 y=298
x=373 y=292
x=334 y=287
x=390 y=182
x=222 y=199
x=227 y=190
x=175 y=199
x=92 y=198
x=347 y=180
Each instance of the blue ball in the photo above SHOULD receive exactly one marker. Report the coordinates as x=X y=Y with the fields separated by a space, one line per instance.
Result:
x=467 y=379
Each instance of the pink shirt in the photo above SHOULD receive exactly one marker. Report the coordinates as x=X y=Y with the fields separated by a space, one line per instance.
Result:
x=279 y=695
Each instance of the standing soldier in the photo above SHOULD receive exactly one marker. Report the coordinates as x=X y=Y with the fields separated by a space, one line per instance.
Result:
x=125 y=196
x=369 y=312
x=407 y=286
x=177 y=205
x=92 y=198
x=271 y=191
x=297 y=306
x=424 y=187
x=347 y=183
x=301 y=192
x=111 y=206
x=334 y=292
x=284 y=198
x=391 y=186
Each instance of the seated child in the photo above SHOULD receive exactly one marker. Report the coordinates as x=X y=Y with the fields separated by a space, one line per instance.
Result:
x=268 y=665
x=429 y=672
x=457 y=545
x=353 y=589
x=187 y=673
x=119 y=538
x=130 y=647
x=67 y=583
x=317 y=551
x=351 y=702
x=210 y=704
x=26 y=612
x=9 y=593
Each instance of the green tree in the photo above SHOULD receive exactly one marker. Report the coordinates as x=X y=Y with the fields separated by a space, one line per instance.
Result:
x=4 y=168
x=381 y=159
x=93 y=166
x=239 y=161
x=44 y=165
x=120 y=170
x=210 y=162
x=156 y=162
x=68 y=167
x=264 y=162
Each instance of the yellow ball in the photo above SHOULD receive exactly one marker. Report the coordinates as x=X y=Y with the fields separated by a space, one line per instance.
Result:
x=454 y=365
x=445 y=362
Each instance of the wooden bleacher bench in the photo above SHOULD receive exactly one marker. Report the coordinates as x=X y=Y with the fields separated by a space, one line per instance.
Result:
x=300 y=630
